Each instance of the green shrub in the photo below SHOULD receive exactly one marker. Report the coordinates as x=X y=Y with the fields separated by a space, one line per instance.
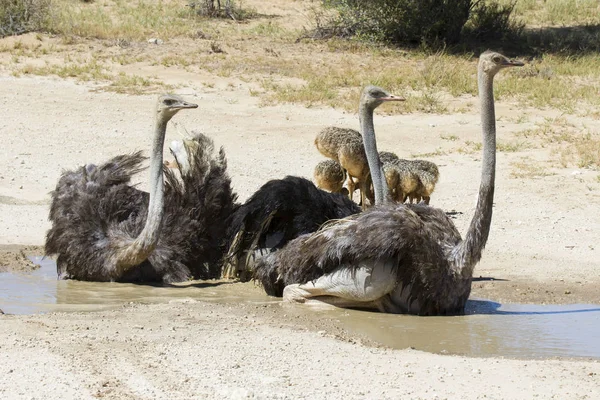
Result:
x=21 y=16
x=404 y=21
x=429 y=23
x=491 y=21
x=220 y=9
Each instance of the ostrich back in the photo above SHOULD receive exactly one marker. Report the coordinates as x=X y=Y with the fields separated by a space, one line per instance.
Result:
x=281 y=210
x=329 y=175
x=94 y=214
x=428 y=174
x=419 y=239
x=330 y=139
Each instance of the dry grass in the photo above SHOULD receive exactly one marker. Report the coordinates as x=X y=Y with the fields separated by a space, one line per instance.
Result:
x=327 y=73
x=438 y=152
x=470 y=147
x=575 y=145
x=557 y=12
x=582 y=151
x=528 y=169
x=123 y=19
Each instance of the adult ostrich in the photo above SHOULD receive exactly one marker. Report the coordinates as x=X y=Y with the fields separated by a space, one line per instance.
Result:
x=282 y=210
x=104 y=229
x=395 y=258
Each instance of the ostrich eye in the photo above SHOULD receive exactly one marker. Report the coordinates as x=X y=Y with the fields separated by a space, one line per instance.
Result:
x=169 y=102
x=497 y=59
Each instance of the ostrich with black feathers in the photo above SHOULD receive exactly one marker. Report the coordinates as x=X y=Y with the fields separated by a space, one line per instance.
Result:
x=105 y=229
x=281 y=210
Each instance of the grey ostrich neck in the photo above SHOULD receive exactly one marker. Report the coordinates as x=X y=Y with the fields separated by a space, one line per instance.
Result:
x=470 y=249
x=368 y=131
x=139 y=250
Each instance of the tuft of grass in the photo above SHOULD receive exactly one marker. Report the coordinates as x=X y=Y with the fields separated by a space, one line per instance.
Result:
x=175 y=60
x=556 y=12
x=470 y=147
x=269 y=29
x=511 y=147
x=552 y=131
x=134 y=84
x=527 y=168
x=451 y=138
x=576 y=146
x=583 y=151
x=123 y=19
x=436 y=153
x=90 y=70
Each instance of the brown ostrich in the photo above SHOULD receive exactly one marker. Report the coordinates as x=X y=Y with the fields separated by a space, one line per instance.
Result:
x=345 y=146
x=329 y=175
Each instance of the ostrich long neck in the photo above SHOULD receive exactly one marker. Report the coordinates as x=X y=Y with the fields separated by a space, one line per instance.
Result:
x=138 y=250
x=368 y=131
x=469 y=250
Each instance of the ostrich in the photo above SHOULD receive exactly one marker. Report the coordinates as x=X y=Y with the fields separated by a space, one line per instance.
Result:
x=345 y=146
x=387 y=157
x=394 y=258
x=329 y=175
x=330 y=139
x=413 y=179
x=428 y=175
x=402 y=179
x=104 y=229
x=280 y=211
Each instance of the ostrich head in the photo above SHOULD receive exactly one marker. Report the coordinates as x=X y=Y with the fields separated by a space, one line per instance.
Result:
x=492 y=62
x=374 y=96
x=169 y=104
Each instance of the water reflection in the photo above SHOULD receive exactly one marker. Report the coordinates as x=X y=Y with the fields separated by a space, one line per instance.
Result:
x=487 y=328
x=490 y=328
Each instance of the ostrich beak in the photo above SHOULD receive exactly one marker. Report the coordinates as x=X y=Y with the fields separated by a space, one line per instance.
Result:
x=392 y=97
x=513 y=63
x=185 y=104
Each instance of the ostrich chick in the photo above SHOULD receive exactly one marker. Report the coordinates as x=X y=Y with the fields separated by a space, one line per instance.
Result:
x=329 y=175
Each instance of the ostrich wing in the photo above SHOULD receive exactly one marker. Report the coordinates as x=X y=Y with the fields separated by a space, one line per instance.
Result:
x=280 y=211
x=417 y=237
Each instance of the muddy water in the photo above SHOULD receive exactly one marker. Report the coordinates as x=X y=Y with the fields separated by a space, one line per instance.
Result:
x=487 y=329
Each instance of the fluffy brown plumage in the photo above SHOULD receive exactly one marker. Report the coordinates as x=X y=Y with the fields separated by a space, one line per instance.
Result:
x=329 y=175
x=428 y=174
x=330 y=139
x=345 y=146
x=401 y=179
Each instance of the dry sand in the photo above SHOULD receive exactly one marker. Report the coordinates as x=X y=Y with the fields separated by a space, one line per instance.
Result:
x=543 y=248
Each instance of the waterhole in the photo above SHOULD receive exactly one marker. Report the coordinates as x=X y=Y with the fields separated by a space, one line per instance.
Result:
x=486 y=329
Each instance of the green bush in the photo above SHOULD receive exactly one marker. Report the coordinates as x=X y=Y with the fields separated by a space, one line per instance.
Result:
x=432 y=23
x=21 y=16
x=219 y=9
x=491 y=21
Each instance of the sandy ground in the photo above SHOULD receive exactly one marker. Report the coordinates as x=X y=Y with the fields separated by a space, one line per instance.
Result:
x=543 y=248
